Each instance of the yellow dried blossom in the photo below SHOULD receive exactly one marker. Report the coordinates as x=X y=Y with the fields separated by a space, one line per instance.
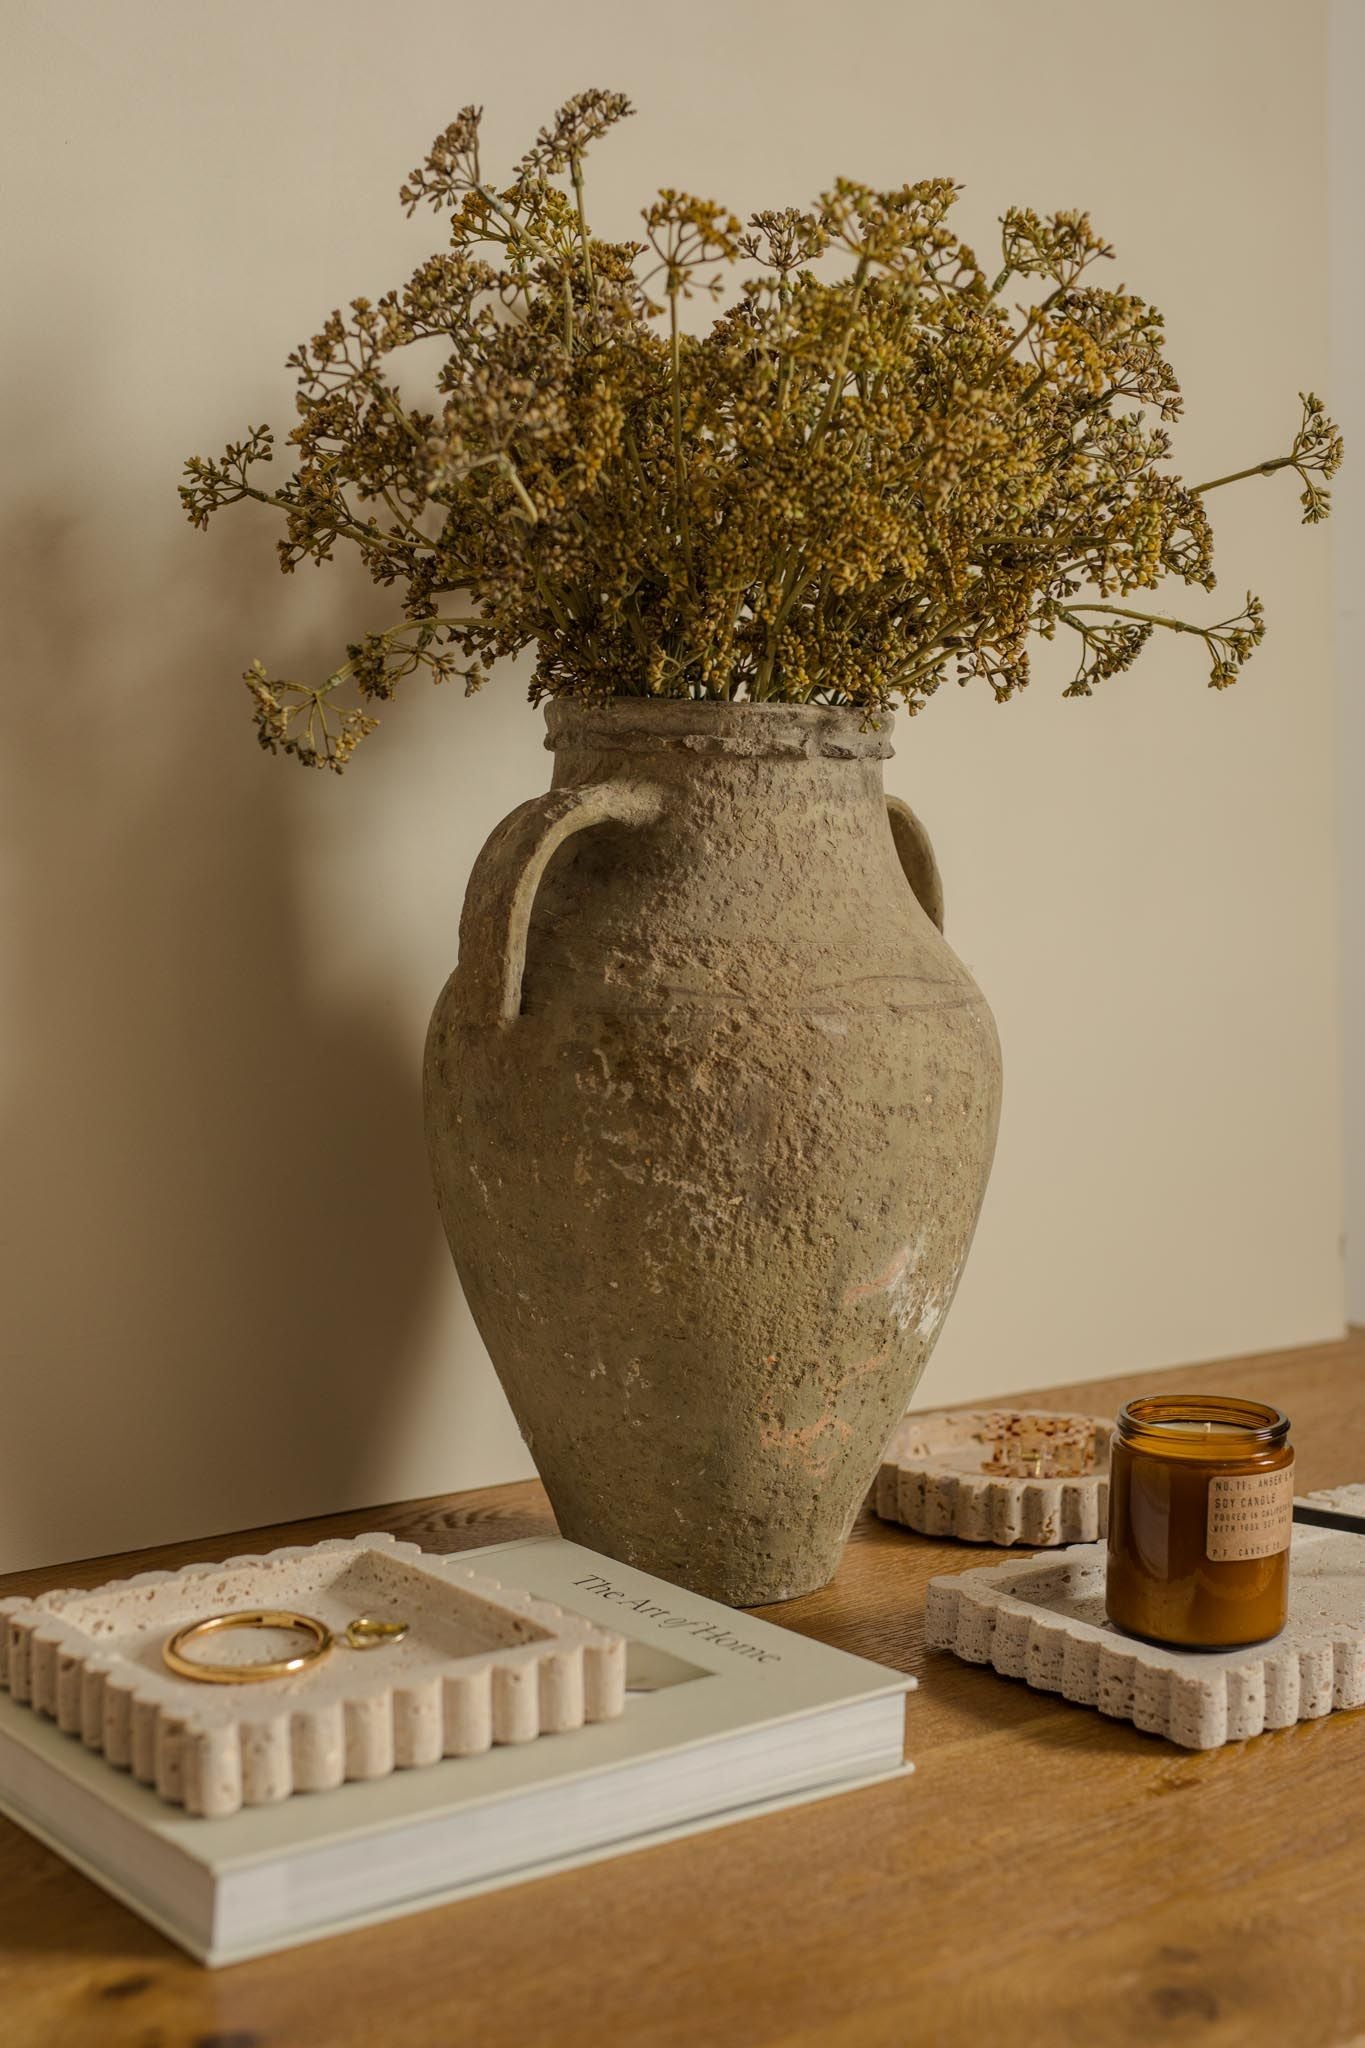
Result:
x=876 y=470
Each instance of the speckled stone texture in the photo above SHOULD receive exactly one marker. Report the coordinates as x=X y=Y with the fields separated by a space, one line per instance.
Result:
x=480 y=1664
x=1043 y=1620
x=711 y=1106
x=998 y=1475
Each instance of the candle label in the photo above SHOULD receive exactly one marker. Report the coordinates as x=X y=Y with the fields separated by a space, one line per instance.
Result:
x=1251 y=1514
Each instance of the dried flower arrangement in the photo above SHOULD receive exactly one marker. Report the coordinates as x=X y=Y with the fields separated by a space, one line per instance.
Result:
x=853 y=486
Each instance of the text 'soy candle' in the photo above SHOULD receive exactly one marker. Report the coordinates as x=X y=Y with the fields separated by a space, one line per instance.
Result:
x=1201 y=1503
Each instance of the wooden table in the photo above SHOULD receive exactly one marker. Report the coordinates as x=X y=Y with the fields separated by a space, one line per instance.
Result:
x=1045 y=1877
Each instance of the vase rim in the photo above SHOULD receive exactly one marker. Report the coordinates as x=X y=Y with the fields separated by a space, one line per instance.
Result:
x=701 y=725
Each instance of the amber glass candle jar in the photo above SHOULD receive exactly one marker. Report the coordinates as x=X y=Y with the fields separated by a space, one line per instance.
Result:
x=1201 y=1501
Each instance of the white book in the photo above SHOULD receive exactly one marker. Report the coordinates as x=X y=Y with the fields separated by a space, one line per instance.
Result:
x=726 y=1717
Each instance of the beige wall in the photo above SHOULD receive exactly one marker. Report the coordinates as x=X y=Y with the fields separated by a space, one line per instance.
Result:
x=226 y=1297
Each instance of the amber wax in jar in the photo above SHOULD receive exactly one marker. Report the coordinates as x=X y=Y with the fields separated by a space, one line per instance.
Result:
x=1201 y=1504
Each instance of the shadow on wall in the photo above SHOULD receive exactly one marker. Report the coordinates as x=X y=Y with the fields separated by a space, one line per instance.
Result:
x=220 y=1236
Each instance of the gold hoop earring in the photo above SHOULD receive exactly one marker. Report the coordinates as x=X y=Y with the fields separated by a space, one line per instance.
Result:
x=173 y=1656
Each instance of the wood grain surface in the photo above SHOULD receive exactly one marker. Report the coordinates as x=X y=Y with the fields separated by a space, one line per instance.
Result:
x=1045 y=1878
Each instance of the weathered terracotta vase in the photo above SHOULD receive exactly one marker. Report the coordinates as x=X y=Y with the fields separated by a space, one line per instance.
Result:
x=711 y=1106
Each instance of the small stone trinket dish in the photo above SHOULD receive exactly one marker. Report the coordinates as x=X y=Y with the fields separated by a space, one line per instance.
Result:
x=478 y=1664
x=998 y=1475
x=1043 y=1620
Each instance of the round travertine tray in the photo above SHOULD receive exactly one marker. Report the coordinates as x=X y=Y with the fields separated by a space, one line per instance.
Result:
x=998 y=1475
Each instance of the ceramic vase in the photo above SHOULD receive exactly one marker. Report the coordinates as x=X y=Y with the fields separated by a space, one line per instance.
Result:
x=711 y=1105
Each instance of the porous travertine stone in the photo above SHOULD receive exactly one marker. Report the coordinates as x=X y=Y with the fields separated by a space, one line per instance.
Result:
x=481 y=1663
x=711 y=1105
x=1044 y=1621
x=965 y=1473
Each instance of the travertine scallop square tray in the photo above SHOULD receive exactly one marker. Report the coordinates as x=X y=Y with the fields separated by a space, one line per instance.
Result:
x=481 y=1663
x=1043 y=1620
x=998 y=1475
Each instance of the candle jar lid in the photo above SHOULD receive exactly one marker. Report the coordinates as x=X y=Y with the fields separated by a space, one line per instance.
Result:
x=1209 y=1428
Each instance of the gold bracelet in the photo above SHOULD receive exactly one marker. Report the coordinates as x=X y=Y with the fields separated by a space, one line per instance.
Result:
x=247 y=1674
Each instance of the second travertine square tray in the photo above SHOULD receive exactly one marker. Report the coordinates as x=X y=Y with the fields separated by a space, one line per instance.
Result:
x=1042 y=1619
x=480 y=1664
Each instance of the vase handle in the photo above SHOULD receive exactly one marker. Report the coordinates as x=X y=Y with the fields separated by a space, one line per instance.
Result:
x=916 y=855
x=502 y=888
